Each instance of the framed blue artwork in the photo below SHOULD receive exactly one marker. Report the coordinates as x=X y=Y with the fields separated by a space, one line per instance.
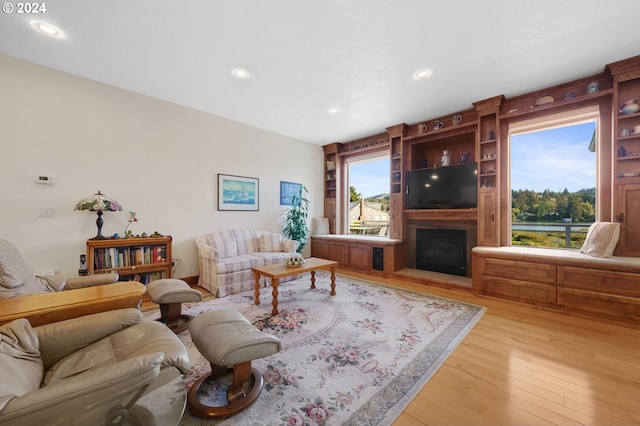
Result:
x=287 y=191
x=237 y=193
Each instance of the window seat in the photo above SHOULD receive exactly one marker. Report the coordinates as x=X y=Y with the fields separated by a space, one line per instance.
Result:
x=560 y=278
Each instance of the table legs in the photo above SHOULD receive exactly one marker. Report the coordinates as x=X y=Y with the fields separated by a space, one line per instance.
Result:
x=274 y=293
x=333 y=280
x=313 y=279
x=256 y=288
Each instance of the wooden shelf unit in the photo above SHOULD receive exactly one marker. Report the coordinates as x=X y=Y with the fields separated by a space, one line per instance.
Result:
x=396 y=180
x=626 y=85
x=488 y=144
x=331 y=181
x=134 y=259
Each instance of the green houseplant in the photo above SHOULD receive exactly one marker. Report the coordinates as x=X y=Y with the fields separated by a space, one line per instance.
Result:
x=295 y=225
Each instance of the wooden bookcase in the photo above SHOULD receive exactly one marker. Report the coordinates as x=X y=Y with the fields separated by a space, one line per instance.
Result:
x=626 y=86
x=331 y=183
x=396 y=189
x=488 y=170
x=134 y=259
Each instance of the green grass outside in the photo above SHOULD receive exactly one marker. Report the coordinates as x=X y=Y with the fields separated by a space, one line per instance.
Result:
x=546 y=239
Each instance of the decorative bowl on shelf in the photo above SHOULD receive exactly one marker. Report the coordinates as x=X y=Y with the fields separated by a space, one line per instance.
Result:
x=294 y=262
x=629 y=107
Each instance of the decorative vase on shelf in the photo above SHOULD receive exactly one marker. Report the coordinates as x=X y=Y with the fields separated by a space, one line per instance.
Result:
x=445 y=160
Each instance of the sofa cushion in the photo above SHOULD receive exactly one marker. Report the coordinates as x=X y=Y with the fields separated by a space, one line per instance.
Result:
x=238 y=263
x=14 y=271
x=224 y=244
x=20 y=363
x=270 y=242
x=273 y=257
x=601 y=239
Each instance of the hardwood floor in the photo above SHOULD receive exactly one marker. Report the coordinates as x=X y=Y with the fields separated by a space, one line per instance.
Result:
x=523 y=365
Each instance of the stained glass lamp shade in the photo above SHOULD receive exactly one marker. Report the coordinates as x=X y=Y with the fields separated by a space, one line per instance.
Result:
x=98 y=203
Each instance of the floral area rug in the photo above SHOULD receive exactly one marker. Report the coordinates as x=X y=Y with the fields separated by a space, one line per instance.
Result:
x=355 y=358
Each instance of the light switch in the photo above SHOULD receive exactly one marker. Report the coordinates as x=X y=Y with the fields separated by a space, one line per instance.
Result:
x=46 y=211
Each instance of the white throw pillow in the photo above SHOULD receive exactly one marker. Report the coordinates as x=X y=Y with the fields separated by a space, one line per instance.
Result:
x=271 y=242
x=226 y=247
x=601 y=240
x=319 y=226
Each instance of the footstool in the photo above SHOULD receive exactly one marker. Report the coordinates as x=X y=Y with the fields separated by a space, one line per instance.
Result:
x=228 y=340
x=170 y=294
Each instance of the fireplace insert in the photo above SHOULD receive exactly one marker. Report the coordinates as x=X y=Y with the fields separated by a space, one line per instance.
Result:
x=442 y=250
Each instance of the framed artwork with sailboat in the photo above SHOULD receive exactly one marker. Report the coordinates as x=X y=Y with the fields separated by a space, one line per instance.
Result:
x=238 y=193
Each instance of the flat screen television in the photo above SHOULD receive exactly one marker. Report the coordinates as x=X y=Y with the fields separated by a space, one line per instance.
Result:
x=451 y=187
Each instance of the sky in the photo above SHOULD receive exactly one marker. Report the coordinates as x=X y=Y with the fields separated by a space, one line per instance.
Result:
x=552 y=159
x=370 y=178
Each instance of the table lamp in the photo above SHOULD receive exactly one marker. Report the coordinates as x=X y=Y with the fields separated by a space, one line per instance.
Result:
x=98 y=203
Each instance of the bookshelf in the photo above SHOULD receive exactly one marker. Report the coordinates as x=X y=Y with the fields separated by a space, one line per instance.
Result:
x=134 y=259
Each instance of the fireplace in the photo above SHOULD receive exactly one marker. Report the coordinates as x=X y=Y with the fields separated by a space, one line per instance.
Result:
x=442 y=250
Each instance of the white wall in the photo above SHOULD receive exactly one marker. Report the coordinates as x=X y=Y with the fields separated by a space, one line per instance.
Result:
x=158 y=159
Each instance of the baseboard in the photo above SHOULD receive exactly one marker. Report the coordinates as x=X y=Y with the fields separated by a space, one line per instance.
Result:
x=192 y=281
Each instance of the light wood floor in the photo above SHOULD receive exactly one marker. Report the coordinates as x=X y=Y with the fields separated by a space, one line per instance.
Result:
x=521 y=365
x=524 y=366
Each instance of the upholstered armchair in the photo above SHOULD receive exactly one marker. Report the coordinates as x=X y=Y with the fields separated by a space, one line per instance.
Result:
x=110 y=368
x=18 y=279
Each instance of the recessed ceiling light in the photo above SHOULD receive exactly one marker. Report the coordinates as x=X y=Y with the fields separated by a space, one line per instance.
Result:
x=47 y=29
x=240 y=73
x=422 y=74
x=334 y=110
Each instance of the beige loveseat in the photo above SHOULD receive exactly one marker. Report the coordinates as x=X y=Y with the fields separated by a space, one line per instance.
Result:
x=18 y=279
x=103 y=369
x=225 y=258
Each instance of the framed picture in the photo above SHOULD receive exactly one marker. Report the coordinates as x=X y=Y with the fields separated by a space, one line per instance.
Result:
x=464 y=158
x=237 y=193
x=287 y=191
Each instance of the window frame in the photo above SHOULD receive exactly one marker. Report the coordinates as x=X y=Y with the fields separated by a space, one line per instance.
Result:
x=343 y=212
x=555 y=119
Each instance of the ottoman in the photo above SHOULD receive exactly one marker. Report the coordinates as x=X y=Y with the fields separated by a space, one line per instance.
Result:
x=228 y=340
x=170 y=294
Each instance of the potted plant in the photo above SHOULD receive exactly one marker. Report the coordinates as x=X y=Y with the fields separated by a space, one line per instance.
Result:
x=295 y=225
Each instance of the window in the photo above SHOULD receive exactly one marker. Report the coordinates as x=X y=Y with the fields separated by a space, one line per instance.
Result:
x=553 y=180
x=368 y=204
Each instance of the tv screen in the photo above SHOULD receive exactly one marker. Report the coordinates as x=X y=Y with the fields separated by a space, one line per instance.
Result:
x=451 y=187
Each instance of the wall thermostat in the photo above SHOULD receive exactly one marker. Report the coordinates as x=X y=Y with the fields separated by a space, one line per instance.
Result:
x=44 y=179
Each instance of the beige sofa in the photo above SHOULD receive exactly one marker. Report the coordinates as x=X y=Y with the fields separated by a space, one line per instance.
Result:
x=18 y=279
x=102 y=369
x=225 y=258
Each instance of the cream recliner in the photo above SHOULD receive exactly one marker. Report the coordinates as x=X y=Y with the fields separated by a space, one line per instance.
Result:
x=110 y=368
x=18 y=279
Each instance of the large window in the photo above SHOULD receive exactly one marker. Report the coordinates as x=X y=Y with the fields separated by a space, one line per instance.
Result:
x=368 y=203
x=553 y=181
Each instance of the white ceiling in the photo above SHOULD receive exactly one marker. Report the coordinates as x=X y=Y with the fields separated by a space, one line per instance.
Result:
x=308 y=56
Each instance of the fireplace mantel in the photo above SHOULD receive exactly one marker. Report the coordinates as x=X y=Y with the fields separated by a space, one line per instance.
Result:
x=463 y=215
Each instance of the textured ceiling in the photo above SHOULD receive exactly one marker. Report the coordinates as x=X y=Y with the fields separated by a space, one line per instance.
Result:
x=308 y=56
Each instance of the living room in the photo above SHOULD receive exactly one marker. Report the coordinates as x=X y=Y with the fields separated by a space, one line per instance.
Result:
x=161 y=160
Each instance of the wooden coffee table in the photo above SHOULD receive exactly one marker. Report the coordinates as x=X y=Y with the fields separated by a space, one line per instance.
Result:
x=280 y=270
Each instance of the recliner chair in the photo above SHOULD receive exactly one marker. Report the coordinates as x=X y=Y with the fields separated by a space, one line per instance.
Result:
x=18 y=279
x=110 y=368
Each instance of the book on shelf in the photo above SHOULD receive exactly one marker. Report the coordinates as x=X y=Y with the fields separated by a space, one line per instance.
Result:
x=123 y=257
x=144 y=278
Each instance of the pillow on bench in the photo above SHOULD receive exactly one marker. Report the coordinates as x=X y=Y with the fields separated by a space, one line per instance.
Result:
x=601 y=239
